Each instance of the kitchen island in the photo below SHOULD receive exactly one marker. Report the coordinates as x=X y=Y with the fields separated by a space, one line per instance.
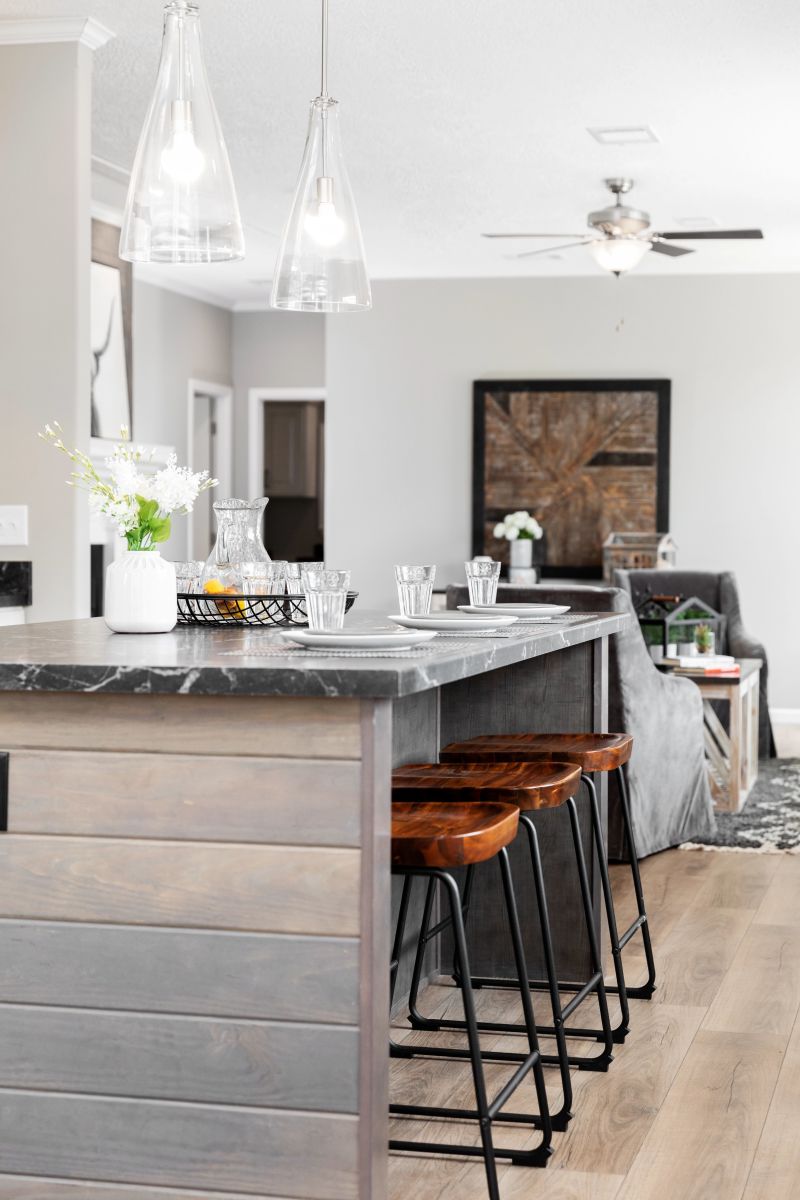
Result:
x=195 y=894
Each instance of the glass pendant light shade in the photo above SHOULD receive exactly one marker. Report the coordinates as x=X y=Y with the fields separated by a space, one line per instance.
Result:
x=321 y=265
x=619 y=254
x=181 y=205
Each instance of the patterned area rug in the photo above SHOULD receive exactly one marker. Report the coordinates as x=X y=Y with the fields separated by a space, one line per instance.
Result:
x=770 y=821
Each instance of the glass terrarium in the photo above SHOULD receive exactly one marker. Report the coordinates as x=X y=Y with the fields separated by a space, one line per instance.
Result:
x=672 y=621
x=239 y=541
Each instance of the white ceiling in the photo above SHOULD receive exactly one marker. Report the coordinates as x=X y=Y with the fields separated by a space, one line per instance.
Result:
x=471 y=116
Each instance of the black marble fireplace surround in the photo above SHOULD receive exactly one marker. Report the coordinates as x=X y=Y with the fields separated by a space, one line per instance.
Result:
x=16 y=584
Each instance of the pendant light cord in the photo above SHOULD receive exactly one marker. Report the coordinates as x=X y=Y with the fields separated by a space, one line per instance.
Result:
x=324 y=91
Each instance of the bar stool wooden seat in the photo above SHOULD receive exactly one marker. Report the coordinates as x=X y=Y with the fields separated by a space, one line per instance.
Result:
x=428 y=840
x=592 y=752
x=456 y=835
x=530 y=787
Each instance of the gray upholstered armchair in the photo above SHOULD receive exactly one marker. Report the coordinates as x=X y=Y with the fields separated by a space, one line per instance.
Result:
x=669 y=794
x=721 y=592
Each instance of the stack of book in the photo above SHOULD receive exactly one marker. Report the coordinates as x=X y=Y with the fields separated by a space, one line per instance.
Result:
x=703 y=664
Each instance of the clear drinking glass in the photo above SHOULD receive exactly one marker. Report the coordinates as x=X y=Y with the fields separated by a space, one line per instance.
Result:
x=264 y=579
x=294 y=575
x=187 y=577
x=326 y=597
x=482 y=577
x=414 y=590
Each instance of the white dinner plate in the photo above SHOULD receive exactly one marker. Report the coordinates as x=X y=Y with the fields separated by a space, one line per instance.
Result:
x=355 y=639
x=454 y=622
x=516 y=610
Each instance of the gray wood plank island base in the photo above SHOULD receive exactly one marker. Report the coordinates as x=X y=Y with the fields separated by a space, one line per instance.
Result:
x=195 y=896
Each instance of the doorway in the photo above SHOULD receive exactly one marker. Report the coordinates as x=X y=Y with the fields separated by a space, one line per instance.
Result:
x=210 y=448
x=287 y=464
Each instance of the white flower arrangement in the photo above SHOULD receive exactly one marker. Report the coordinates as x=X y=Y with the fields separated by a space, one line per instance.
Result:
x=518 y=525
x=141 y=506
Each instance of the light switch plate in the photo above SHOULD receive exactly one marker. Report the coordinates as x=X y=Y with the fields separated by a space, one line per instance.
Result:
x=13 y=524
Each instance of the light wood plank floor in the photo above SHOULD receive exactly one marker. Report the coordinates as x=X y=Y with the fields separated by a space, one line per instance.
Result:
x=703 y=1100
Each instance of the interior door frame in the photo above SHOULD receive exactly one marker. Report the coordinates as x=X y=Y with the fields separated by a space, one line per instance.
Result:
x=222 y=394
x=256 y=398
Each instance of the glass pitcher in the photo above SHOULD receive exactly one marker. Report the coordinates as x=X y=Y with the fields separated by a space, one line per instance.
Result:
x=238 y=541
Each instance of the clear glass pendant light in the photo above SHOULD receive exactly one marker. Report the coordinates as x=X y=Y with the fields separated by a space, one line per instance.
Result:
x=181 y=205
x=321 y=265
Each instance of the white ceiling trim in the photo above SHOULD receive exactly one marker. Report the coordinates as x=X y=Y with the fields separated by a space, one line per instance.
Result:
x=38 y=30
x=110 y=170
x=107 y=213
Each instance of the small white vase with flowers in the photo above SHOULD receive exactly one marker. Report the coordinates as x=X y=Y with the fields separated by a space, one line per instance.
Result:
x=140 y=593
x=520 y=530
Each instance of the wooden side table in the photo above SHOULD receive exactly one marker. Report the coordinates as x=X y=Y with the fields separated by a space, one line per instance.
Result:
x=733 y=753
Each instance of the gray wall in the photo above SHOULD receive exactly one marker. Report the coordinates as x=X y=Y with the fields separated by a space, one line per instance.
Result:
x=44 y=310
x=272 y=349
x=399 y=420
x=175 y=339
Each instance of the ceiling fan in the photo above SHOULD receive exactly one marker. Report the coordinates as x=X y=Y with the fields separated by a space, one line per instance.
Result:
x=619 y=241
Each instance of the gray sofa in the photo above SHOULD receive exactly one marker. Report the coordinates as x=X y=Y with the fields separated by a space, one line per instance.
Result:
x=720 y=591
x=669 y=794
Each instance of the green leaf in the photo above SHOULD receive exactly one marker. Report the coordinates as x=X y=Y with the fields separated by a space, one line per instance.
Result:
x=160 y=529
x=147 y=509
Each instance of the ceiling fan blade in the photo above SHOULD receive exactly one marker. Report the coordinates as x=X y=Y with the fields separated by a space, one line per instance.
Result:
x=713 y=233
x=672 y=251
x=527 y=235
x=553 y=249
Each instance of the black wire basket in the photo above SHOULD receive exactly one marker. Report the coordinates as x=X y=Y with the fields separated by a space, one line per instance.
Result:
x=232 y=611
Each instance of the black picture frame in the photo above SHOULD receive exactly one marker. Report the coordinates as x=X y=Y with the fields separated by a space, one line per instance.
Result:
x=663 y=391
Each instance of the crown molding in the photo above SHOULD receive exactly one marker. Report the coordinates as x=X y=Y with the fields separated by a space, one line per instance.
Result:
x=38 y=30
x=110 y=170
x=107 y=213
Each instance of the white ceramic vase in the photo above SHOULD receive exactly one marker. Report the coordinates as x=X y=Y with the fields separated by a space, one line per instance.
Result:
x=522 y=553
x=141 y=595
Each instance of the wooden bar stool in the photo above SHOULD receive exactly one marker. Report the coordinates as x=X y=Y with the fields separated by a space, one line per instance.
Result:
x=530 y=787
x=429 y=840
x=592 y=752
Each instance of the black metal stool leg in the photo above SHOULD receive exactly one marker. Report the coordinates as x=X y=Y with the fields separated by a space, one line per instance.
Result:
x=417 y=1020
x=563 y=1116
x=622 y=1030
x=645 y=990
x=397 y=945
x=542 y=1151
x=563 y=1060
x=594 y=945
x=528 y=1062
x=468 y=1000
x=483 y=1114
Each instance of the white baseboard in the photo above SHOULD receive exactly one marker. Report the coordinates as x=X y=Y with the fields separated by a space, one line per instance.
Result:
x=785 y=716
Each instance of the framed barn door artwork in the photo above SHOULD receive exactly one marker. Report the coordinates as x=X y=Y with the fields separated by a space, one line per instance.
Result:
x=586 y=457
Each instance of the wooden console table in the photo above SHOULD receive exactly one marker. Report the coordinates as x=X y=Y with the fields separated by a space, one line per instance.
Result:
x=733 y=753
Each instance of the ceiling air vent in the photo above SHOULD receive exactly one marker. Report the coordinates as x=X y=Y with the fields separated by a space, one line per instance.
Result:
x=622 y=135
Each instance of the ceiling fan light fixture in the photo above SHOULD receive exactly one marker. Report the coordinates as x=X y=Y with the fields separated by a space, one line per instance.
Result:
x=618 y=254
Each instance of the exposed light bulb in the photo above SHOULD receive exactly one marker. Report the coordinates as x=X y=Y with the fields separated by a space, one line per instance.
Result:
x=325 y=225
x=182 y=158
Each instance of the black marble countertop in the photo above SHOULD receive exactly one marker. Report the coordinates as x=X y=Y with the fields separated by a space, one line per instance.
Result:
x=84 y=656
